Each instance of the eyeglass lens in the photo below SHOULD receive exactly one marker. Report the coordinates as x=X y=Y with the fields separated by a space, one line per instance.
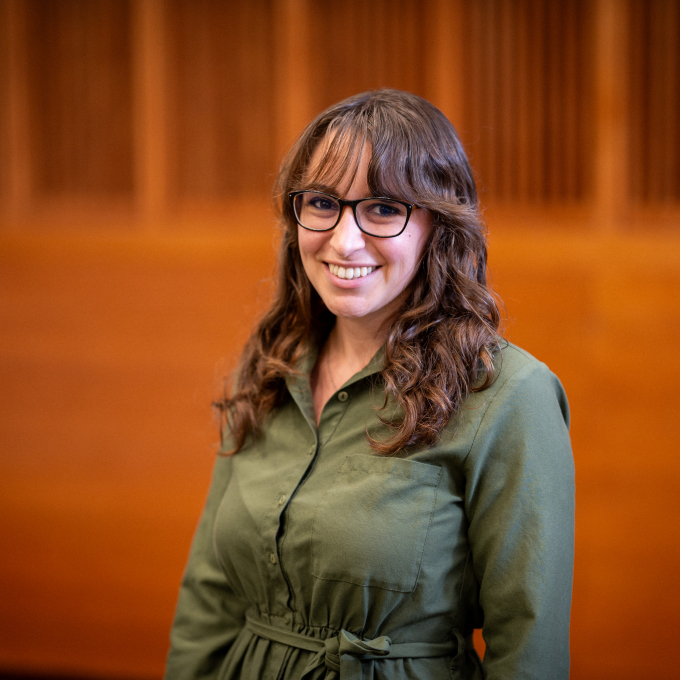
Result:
x=376 y=216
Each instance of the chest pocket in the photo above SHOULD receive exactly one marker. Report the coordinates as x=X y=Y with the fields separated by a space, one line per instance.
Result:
x=371 y=525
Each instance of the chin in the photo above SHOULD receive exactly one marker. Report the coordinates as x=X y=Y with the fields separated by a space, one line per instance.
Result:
x=347 y=313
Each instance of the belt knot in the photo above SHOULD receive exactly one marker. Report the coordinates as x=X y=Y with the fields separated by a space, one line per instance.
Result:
x=341 y=650
x=340 y=656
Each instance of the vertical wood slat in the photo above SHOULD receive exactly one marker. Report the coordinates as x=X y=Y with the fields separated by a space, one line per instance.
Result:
x=477 y=96
x=150 y=107
x=663 y=81
x=554 y=142
x=507 y=91
x=17 y=167
x=610 y=169
x=80 y=84
x=654 y=102
x=538 y=100
x=668 y=20
x=523 y=133
x=655 y=164
x=294 y=77
x=221 y=99
x=637 y=89
x=489 y=47
x=373 y=45
x=445 y=56
x=570 y=104
x=672 y=108
x=526 y=86
x=5 y=56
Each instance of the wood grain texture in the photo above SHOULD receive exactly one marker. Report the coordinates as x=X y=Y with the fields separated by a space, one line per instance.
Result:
x=5 y=57
x=357 y=46
x=80 y=83
x=654 y=102
x=221 y=98
x=529 y=79
x=138 y=142
x=108 y=356
x=108 y=368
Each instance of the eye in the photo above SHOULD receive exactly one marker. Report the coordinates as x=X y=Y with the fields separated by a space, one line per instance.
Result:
x=320 y=203
x=384 y=210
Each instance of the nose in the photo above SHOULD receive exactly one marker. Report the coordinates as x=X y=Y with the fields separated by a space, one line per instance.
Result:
x=347 y=237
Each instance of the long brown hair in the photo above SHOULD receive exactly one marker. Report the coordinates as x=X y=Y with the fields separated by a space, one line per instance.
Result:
x=440 y=346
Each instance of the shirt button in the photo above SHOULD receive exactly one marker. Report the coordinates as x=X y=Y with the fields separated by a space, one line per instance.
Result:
x=343 y=396
x=282 y=500
x=286 y=619
x=272 y=558
x=312 y=449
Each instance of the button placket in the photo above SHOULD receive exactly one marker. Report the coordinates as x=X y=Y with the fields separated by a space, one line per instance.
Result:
x=283 y=593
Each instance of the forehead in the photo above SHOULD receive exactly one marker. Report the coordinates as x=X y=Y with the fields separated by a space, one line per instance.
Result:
x=336 y=162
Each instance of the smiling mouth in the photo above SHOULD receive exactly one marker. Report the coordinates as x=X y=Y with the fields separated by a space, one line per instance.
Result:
x=350 y=272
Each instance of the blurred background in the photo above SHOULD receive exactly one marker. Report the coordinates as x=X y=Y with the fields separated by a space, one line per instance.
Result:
x=139 y=140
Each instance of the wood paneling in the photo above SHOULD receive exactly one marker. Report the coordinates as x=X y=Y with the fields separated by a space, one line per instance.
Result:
x=107 y=437
x=221 y=125
x=109 y=337
x=109 y=359
x=169 y=102
x=5 y=56
x=528 y=123
x=357 y=46
x=654 y=101
x=81 y=96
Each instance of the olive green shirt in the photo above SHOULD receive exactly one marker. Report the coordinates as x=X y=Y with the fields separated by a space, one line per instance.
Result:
x=316 y=558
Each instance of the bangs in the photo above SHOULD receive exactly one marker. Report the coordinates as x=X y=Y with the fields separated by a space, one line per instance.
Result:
x=342 y=148
x=389 y=171
x=415 y=154
x=402 y=155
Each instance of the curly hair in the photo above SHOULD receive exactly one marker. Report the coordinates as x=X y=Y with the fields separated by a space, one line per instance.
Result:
x=440 y=346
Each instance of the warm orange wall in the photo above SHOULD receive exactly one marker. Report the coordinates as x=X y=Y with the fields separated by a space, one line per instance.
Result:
x=135 y=141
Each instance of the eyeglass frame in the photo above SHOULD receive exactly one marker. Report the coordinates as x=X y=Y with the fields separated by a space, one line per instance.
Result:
x=410 y=207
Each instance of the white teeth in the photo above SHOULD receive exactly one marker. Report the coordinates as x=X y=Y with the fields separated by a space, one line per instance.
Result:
x=350 y=272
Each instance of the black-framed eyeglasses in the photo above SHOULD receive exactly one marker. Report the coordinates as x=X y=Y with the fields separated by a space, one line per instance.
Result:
x=375 y=216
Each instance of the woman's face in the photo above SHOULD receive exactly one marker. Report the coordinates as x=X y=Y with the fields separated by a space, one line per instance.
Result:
x=376 y=296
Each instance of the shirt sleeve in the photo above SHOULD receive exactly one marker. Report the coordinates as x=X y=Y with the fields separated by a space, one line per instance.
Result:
x=520 y=507
x=208 y=617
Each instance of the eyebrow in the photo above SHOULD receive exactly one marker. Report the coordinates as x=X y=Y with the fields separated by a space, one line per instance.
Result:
x=322 y=188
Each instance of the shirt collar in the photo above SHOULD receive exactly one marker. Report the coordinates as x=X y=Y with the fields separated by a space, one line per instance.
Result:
x=299 y=388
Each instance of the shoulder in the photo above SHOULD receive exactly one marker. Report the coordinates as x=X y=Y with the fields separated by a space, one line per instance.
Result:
x=522 y=418
x=524 y=402
x=520 y=383
x=513 y=362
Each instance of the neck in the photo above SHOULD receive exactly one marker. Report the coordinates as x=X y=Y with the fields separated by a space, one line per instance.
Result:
x=349 y=347
x=353 y=342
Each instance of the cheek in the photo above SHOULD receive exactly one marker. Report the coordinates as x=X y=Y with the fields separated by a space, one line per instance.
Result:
x=406 y=258
x=310 y=242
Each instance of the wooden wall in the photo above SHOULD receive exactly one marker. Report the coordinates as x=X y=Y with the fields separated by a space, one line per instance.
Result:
x=138 y=142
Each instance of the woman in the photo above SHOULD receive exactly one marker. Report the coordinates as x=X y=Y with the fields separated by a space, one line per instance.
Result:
x=394 y=474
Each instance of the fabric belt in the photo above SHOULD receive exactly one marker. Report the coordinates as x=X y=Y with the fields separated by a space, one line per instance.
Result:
x=344 y=652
